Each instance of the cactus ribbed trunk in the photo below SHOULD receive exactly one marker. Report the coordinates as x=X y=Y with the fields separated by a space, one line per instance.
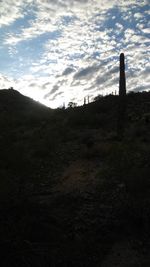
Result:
x=122 y=81
x=122 y=98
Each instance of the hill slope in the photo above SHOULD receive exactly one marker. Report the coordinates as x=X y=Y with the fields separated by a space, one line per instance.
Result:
x=70 y=190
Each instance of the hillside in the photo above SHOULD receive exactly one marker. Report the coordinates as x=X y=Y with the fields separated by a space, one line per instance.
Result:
x=71 y=192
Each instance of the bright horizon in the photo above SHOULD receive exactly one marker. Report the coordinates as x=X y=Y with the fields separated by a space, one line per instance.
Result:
x=64 y=50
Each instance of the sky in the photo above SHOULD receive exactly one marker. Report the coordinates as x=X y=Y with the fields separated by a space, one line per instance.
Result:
x=57 y=51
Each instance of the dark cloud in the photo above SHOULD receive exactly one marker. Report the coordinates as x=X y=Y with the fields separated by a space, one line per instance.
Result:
x=91 y=70
x=141 y=88
x=54 y=89
x=68 y=71
x=113 y=70
x=108 y=76
x=75 y=83
x=145 y=73
x=82 y=73
x=61 y=82
x=56 y=95
x=101 y=80
x=32 y=84
x=113 y=81
x=45 y=85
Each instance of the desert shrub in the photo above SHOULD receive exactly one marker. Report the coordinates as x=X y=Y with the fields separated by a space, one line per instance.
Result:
x=72 y=105
x=87 y=119
x=98 y=97
x=136 y=130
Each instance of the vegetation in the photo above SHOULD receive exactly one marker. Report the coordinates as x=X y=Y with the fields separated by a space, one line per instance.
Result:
x=72 y=193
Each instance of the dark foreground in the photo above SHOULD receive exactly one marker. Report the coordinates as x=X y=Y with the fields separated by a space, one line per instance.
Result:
x=71 y=192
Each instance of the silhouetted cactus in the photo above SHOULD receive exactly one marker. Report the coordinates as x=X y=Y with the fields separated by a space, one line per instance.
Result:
x=122 y=81
x=122 y=98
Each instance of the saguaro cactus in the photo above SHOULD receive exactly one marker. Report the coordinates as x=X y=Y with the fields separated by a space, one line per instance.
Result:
x=122 y=98
x=122 y=81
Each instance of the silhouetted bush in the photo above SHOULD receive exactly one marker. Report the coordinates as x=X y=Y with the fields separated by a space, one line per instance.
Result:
x=72 y=105
x=98 y=97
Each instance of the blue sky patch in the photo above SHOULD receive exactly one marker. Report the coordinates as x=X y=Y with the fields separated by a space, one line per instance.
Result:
x=39 y=42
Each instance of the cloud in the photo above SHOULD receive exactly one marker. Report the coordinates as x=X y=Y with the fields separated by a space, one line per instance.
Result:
x=56 y=96
x=146 y=30
x=138 y=15
x=119 y=26
x=49 y=14
x=36 y=29
x=6 y=82
x=10 y=11
x=141 y=88
x=83 y=73
x=54 y=89
x=68 y=71
x=67 y=48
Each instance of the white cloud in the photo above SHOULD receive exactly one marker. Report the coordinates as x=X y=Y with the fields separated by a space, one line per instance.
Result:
x=11 y=10
x=138 y=15
x=146 y=30
x=6 y=82
x=48 y=14
x=119 y=26
x=84 y=56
